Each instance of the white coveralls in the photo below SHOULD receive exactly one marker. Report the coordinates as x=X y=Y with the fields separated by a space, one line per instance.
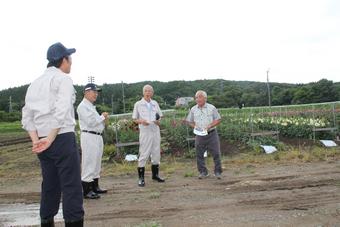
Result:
x=149 y=135
x=91 y=144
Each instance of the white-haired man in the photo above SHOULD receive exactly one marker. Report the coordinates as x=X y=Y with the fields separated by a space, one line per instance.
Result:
x=204 y=118
x=147 y=114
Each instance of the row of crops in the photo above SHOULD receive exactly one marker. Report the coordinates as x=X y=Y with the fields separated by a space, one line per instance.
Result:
x=313 y=121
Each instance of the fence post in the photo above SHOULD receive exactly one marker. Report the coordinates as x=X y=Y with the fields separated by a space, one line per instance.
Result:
x=334 y=119
x=251 y=123
x=116 y=135
x=313 y=114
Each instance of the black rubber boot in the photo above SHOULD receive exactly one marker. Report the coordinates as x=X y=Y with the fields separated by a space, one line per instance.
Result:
x=79 y=223
x=96 y=188
x=88 y=192
x=47 y=222
x=155 y=176
x=141 y=171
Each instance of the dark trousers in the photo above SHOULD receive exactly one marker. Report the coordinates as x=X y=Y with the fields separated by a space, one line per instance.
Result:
x=60 y=167
x=211 y=143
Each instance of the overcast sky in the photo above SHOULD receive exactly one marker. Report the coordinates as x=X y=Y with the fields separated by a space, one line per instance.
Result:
x=136 y=40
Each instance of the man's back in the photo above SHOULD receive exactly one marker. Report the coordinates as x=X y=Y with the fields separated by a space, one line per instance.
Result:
x=49 y=103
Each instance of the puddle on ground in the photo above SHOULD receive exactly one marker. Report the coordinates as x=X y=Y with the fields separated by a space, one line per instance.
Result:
x=20 y=214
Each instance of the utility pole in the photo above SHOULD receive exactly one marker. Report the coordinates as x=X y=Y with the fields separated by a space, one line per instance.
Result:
x=221 y=86
x=112 y=103
x=123 y=97
x=268 y=89
x=91 y=79
x=10 y=109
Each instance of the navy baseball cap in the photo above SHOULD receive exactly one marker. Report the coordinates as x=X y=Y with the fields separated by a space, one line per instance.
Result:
x=58 y=51
x=92 y=87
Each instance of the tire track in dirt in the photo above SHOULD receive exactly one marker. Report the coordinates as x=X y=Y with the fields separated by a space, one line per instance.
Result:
x=9 y=142
x=136 y=213
x=292 y=192
x=189 y=200
x=20 y=197
x=293 y=202
x=260 y=185
x=303 y=199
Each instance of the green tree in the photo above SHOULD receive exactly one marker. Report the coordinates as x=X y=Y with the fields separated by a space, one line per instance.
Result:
x=302 y=95
x=323 y=91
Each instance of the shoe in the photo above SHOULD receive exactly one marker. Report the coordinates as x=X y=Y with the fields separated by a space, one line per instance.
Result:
x=79 y=223
x=47 y=222
x=203 y=175
x=218 y=176
x=141 y=182
x=96 y=188
x=88 y=192
x=91 y=195
x=155 y=176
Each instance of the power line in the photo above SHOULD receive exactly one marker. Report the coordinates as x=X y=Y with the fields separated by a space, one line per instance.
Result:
x=91 y=79
x=268 y=89
x=123 y=96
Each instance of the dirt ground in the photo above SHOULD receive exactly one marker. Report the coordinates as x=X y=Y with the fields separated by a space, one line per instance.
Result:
x=304 y=194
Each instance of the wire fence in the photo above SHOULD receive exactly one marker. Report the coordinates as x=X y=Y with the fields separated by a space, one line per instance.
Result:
x=310 y=121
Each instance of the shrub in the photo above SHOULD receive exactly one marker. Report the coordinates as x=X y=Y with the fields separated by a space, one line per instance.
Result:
x=10 y=117
x=109 y=152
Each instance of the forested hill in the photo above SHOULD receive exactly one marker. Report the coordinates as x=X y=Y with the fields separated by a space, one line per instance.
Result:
x=221 y=93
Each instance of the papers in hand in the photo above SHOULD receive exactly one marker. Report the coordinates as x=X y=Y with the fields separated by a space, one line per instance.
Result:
x=200 y=132
x=131 y=157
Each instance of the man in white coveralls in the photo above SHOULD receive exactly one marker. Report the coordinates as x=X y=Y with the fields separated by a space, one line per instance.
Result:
x=91 y=141
x=146 y=113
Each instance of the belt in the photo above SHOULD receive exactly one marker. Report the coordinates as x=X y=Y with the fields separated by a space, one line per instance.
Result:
x=211 y=131
x=92 y=132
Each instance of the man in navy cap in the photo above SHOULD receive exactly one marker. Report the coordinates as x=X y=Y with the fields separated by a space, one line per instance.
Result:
x=48 y=116
x=91 y=125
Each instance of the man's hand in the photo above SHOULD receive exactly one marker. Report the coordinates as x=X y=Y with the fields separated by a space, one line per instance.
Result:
x=157 y=122
x=144 y=122
x=105 y=115
x=106 y=118
x=41 y=145
x=191 y=124
x=213 y=124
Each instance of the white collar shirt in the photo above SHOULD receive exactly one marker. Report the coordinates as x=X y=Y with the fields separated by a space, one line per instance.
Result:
x=89 y=118
x=146 y=110
x=49 y=103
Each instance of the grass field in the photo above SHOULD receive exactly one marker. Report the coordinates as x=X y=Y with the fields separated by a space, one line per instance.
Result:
x=300 y=181
x=10 y=127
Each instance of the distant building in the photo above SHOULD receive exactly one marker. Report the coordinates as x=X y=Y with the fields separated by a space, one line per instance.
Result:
x=183 y=101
